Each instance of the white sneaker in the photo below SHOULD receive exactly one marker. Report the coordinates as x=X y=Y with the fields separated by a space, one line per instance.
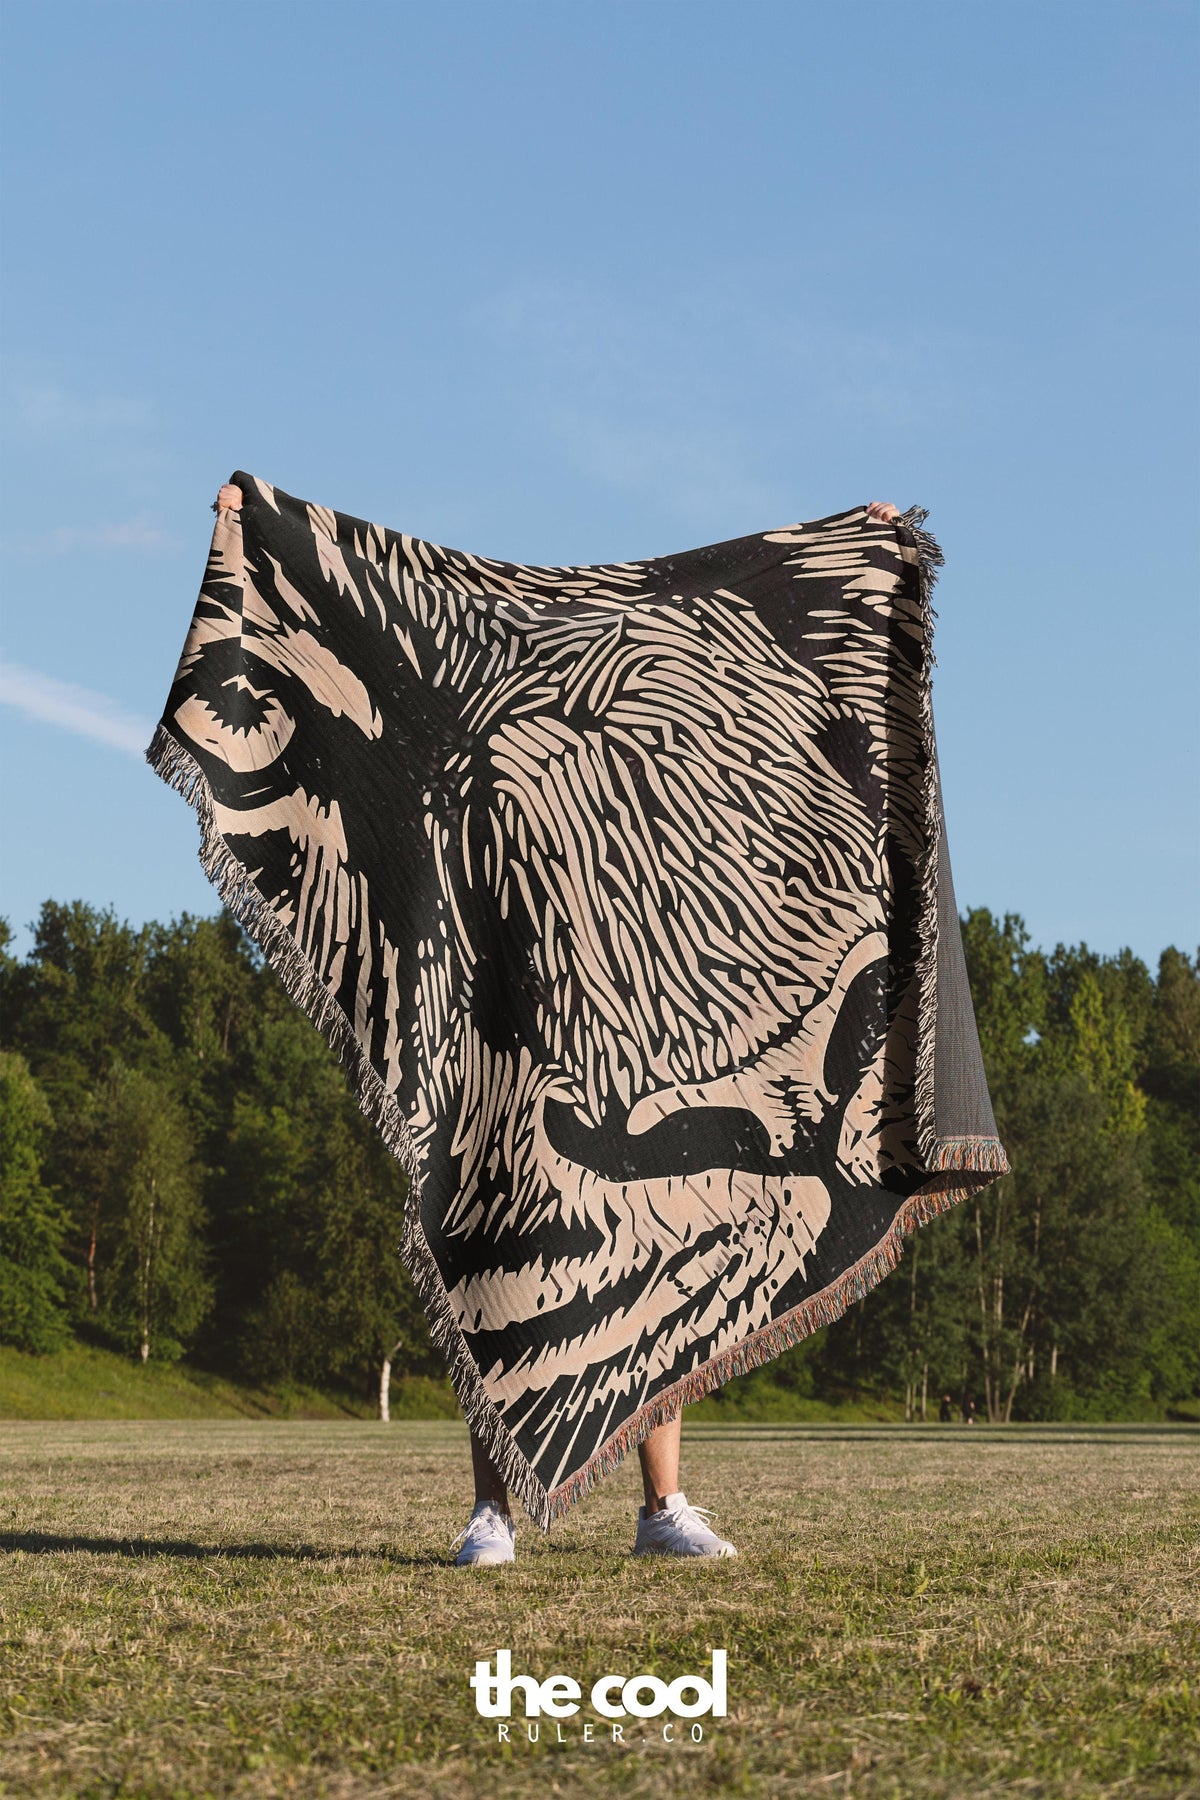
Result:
x=678 y=1530
x=488 y=1538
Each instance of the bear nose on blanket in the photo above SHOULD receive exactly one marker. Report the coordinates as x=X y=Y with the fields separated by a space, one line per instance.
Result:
x=683 y=1142
x=767 y=1118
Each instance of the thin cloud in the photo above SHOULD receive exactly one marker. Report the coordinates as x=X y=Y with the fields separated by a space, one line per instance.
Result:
x=696 y=477
x=51 y=411
x=76 y=709
x=128 y=534
x=704 y=408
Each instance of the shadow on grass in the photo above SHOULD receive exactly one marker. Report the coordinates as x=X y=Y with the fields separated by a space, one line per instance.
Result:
x=46 y=1543
x=38 y=1543
x=1178 y=1426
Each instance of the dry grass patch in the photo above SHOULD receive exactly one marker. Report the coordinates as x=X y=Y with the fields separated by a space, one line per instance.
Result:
x=243 y=1609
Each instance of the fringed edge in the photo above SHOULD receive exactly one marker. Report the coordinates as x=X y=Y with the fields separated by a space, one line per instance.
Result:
x=180 y=770
x=482 y=1417
x=930 y=560
x=980 y=1154
x=783 y=1334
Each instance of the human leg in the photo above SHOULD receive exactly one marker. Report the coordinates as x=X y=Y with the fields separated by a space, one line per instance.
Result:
x=489 y=1483
x=489 y=1534
x=667 y=1524
x=659 y=1457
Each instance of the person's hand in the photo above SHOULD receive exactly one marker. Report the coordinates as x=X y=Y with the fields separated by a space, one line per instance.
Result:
x=878 y=509
x=229 y=497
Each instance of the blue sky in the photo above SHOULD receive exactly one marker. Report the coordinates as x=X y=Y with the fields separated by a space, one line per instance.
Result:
x=569 y=282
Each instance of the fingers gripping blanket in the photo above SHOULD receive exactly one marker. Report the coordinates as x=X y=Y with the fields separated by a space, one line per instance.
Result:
x=623 y=894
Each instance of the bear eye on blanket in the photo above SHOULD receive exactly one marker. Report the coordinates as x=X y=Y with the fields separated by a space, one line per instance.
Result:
x=623 y=894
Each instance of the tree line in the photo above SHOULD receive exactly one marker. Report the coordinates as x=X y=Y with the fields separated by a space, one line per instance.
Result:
x=183 y=1171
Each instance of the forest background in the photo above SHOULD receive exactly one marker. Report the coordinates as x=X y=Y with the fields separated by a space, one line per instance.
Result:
x=571 y=284
x=184 y=1174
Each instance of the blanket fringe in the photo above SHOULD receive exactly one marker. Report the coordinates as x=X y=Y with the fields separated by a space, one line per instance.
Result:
x=180 y=770
x=977 y=1155
x=982 y=1156
x=305 y=987
x=930 y=559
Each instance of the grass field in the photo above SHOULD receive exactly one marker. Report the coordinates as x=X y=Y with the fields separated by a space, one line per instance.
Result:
x=267 y=1609
x=83 y=1381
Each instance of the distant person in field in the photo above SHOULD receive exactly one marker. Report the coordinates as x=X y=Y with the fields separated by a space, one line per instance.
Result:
x=946 y=1411
x=667 y=1525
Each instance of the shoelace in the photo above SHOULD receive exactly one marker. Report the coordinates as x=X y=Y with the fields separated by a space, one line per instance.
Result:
x=679 y=1512
x=483 y=1518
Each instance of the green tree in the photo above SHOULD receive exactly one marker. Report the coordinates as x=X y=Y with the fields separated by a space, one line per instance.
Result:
x=202 y=989
x=1101 y=1047
x=1169 y=1073
x=222 y=1189
x=33 y=1313
x=1072 y=1271
x=72 y=1008
x=1009 y=992
x=154 y=1282
x=308 y=1216
x=999 y=1235
x=371 y=1317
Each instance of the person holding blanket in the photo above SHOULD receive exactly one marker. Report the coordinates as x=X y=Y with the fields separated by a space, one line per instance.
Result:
x=668 y=1524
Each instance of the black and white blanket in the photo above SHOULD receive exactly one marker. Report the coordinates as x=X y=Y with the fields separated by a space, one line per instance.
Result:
x=623 y=894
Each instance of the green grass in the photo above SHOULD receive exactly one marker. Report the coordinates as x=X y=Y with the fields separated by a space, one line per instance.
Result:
x=84 y=1382
x=246 y=1609
x=757 y=1399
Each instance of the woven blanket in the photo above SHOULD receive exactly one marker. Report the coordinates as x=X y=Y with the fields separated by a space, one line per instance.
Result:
x=623 y=894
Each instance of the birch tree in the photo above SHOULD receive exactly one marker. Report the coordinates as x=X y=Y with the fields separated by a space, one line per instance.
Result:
x=156 y=1287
